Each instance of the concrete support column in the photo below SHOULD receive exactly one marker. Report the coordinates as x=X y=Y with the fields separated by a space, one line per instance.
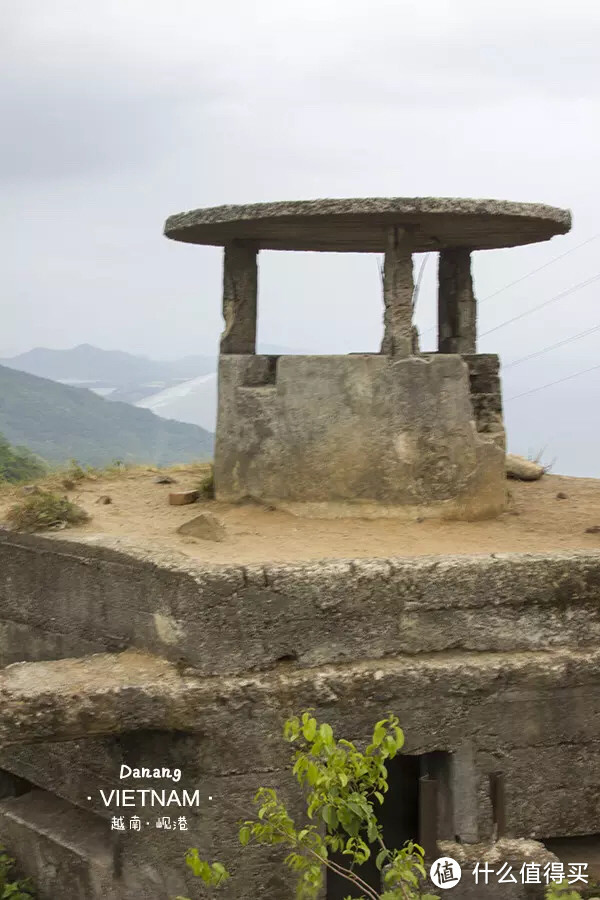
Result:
x=240 y=285
x=398 y=287
x=457 y=307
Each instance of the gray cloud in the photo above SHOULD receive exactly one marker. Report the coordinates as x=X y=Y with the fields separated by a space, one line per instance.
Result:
x=117 y=114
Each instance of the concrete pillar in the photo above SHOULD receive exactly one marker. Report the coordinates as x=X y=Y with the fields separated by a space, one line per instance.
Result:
x=398 y=288
x=457 y=307
x=240 y=284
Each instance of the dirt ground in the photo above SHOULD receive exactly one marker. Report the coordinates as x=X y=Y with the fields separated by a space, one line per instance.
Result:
x=536 y=521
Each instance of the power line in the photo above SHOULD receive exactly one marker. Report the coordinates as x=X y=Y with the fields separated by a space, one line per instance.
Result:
x=552 y=383
x=539 y=269
x=568 y=292
x=528 y=275
x=569 y=340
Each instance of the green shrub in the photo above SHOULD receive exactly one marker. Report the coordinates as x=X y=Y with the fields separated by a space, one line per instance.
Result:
x=11 y=889
x=19 y=463
x=42 y=510
x=564 y=891
x=343 y=788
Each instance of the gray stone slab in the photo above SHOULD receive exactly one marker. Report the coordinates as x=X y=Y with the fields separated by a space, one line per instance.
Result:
x=361 y=225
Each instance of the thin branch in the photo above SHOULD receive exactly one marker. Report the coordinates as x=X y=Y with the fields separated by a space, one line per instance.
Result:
x=350 y=876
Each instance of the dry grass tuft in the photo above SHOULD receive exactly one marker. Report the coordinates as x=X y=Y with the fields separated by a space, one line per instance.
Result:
x=207 y=485
x=42 y=510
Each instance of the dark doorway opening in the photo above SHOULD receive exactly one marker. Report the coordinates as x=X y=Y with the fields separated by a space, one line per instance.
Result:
x=13 y=786
x=399 y=819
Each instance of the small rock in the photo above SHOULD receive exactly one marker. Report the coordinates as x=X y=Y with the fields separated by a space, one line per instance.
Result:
x=522 y=469
x=205 y=526
x=593 y=529
x=165 y=479
x=180 y=498
x=561 y=496
x=30 y=489
x=104 y=499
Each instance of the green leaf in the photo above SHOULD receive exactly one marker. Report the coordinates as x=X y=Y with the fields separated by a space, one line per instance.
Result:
x=309 y=730
x=381 y=858
x=244 y=835
x=326 y=733
x=312 y=774
x=330 y=816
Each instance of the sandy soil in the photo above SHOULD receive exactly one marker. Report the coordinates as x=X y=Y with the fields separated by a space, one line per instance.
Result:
x=536 y=521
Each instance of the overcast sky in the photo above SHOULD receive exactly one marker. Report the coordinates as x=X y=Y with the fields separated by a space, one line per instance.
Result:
x=118 y=114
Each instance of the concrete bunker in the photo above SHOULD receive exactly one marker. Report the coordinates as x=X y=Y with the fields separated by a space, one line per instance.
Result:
x=398 y=432
x=491 y=664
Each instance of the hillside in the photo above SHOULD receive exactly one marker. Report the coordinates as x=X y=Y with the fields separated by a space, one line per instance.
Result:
x=59 y=422
x=18 y=463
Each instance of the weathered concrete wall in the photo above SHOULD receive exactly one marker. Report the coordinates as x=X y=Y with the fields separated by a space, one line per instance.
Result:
x=486 y=394
x=63 y=598
x=398 y=289
x=359 y=429
x=492 y=659
x=457 y=307
x=240 y=288
x=512 y=852
x=70 y=847
x=526 y=707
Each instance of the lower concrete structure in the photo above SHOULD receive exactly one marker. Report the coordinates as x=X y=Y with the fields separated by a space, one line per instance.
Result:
x=490 y=663
x=417 y=435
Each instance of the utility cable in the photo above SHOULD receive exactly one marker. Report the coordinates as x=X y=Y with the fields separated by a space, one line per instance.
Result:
x=552 y=383
x=528 y=274
x=539 y=269
x=562 y=343
x=567 y=293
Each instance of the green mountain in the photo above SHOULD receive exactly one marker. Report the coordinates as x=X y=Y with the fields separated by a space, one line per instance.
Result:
x=18 y=463
x=59 y=422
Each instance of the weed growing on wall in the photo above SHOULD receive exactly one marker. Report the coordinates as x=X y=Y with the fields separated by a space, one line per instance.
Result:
x=10 y=887
x=564 y=891
x=343 y=788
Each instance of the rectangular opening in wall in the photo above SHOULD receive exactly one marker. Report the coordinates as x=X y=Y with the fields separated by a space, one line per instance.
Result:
x=399 y=818
x=400 y=815
x=12 y=785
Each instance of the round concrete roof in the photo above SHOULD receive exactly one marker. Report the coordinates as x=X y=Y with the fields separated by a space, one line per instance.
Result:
x=360 y=225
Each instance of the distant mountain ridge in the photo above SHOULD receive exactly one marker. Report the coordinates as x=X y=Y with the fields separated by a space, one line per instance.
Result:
x=60 y=422
x=88 y=364
x=184 y=389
